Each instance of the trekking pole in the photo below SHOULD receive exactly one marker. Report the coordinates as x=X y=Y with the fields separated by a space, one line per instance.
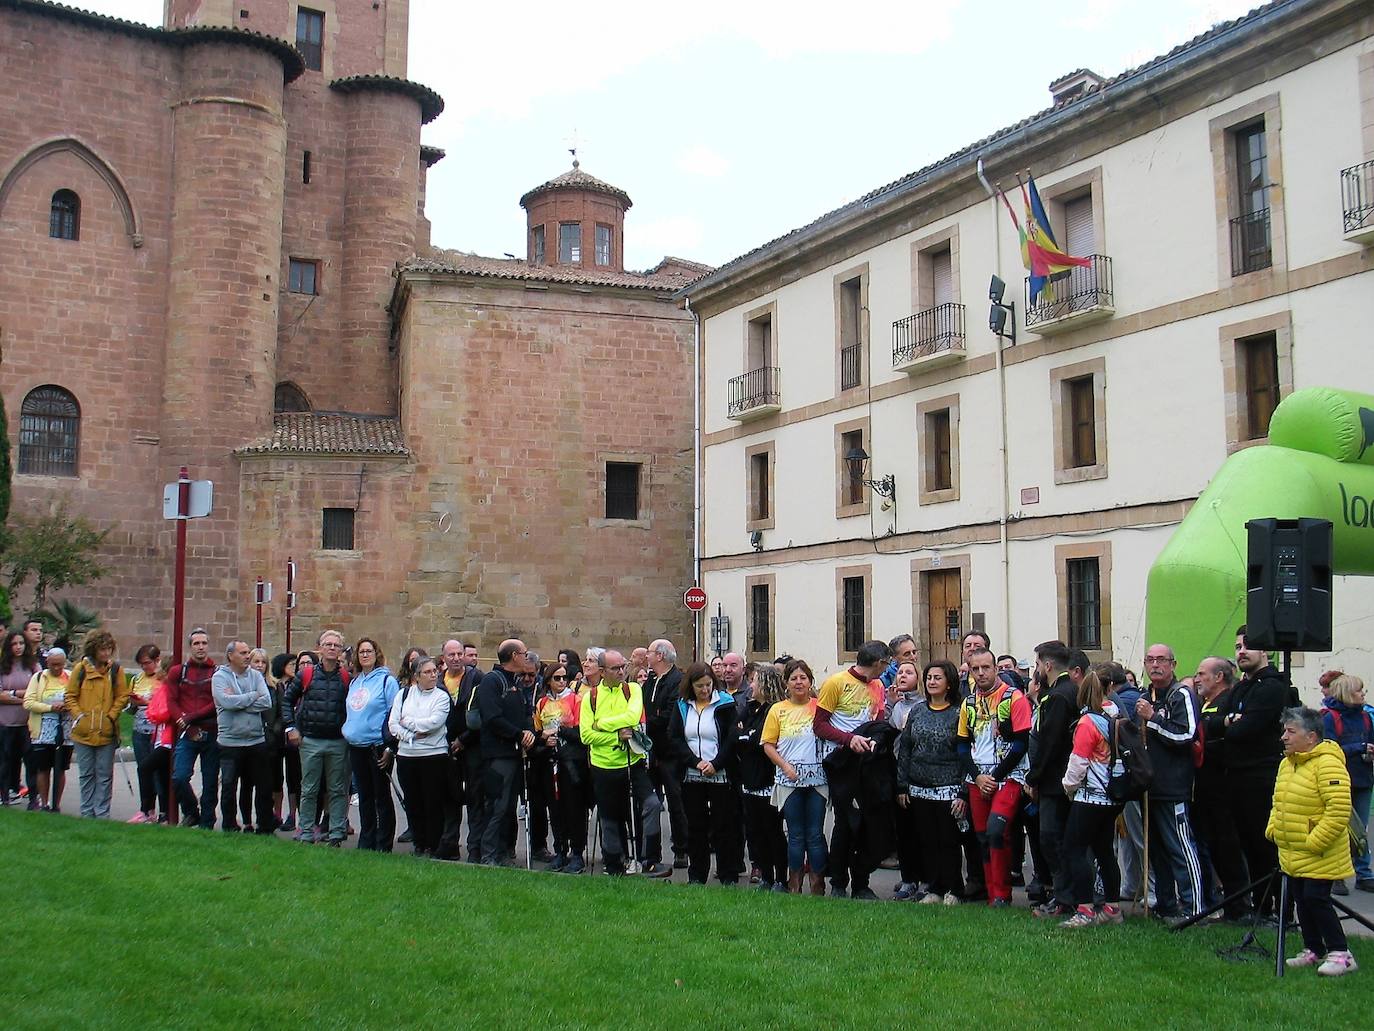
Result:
x=125 y=767
x=524 y=811
x=632 y=848
x=595 y=817
x=1145 y=854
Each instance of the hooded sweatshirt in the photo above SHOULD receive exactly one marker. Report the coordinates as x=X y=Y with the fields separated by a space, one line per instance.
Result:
x=240 y=701
x=368 y=706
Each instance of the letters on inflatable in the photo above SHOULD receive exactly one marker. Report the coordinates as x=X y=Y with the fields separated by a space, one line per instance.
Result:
x=1319 y=463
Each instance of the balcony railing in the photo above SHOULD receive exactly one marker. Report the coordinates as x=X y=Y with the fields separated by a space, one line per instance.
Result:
x=1357 y=201
x=1250 y=243
x=851 y=368
x=755 y=392
x=1085 y=291
x=928 y=336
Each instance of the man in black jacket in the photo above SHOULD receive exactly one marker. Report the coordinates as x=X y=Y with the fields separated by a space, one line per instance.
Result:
x=1051 y=746
x=661 y=692
x=312 y=708
x=1254 y=747
x=507 y=732
x=1213 y=815
x=1170 y=714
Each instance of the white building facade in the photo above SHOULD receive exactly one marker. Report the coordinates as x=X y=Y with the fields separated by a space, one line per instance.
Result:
x=1226 y=195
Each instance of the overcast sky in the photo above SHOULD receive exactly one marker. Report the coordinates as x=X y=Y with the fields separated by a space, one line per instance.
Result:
x=730 y=124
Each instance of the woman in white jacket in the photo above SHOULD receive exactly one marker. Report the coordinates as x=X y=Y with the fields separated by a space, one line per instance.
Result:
x=418 y=719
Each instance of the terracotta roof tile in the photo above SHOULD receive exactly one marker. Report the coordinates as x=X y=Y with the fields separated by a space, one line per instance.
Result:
x=330 y=433
x=431 y=104
x=458 y=264
x=576 y=179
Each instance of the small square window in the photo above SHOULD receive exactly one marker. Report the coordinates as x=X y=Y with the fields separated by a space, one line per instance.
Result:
x=338 y=529
x=310 y=37
x=603 y=245
x=303 y=276
x=570 y=243
x=622 y=490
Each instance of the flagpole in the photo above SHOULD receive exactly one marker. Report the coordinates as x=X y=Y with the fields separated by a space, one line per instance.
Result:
x=1002 y=416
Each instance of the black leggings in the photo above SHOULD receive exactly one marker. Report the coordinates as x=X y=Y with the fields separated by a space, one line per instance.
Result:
x=712 y=824
x=767 y=840
x=572 y=803
x=937 y=837
x=1321 y=927
x=1091 y=834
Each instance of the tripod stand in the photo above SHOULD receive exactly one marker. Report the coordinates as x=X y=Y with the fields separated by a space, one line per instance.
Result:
x=1247 y=945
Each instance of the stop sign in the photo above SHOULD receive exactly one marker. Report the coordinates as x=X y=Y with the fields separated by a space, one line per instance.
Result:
x=694 y=599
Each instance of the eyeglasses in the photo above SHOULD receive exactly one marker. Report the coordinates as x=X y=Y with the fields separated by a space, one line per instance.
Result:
x=1157 y=658
x=618 y=666
x=558 y=676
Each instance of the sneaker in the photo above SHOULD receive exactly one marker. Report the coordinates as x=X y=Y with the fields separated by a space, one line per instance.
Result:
x=304 y=838
x=907 y=891
x=1305 y=958
x=950 y=898
x=836 y=892
x=1110 y=914
x=754 y=875
x=780 y=887
x=575 y=865
x=1050 y=910
x=138 y=818
x=1000 y=904
x=407 y=837
x=24 y=791
x=559 y=861
x=1340 y=888
x=289 y=825
x=864 y=894
x=541 y=855
x=1364 y=884
x=930 y=898
x=680 y=863
x=657 y=871
x=1083 y=917
x=1338 y=963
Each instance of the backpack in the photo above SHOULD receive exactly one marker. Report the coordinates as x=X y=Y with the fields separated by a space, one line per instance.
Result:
x=1338 y=724
x=305 y=676
x=1132 y=772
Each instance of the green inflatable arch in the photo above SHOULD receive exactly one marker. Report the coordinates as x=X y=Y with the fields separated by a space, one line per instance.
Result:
x=1319 y=463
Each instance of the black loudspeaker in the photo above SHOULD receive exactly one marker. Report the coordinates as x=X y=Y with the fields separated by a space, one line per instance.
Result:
x=1288 y=585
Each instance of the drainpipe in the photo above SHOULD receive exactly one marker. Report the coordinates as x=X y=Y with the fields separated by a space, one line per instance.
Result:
x=1005 y=514
x=696 y=468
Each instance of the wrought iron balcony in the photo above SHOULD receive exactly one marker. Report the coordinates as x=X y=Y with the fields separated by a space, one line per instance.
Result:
x=756 y=392
x=851 y=366
x=929 y=338
x=1357 y=202
x=1251 y=249
x=1084 y=294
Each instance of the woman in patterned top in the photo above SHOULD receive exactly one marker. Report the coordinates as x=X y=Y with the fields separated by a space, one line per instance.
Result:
x=930 y=782
x=799 y=788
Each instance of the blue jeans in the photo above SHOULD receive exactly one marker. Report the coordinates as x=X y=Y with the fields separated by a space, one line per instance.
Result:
x=187 y=752
x=804 y=812
x=1359 y=799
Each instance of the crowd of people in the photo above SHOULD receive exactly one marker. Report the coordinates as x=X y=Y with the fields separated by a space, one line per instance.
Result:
x=1178 y=796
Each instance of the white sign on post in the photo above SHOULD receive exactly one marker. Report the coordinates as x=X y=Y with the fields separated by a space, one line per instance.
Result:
x=202 y=497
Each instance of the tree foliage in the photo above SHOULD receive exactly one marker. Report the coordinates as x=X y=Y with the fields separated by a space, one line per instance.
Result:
x=54 y=550
x=67 y=620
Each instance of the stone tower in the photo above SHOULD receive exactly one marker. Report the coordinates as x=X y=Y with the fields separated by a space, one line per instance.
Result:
x=576 y=221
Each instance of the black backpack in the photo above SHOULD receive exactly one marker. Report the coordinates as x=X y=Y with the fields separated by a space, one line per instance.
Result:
x=1131 y=770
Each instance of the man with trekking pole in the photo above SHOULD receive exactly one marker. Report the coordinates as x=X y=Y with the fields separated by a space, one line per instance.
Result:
x=507 y=733
x=611 y=712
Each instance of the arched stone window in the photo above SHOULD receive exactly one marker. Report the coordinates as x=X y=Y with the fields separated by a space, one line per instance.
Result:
x=49 y=432
x=64 y=219
x=290 y=398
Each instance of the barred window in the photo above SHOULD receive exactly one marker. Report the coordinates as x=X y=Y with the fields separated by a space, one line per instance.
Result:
x=622 y=490
x=1085 y=603
x=64 y=218
x=852 y=612
x=49 y=432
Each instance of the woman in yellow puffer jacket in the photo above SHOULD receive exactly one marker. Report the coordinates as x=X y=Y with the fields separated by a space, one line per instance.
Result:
x=96 y=695
x=1309 y=823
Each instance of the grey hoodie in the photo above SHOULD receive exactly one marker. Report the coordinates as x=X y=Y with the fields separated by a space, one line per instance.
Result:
x=240 y=701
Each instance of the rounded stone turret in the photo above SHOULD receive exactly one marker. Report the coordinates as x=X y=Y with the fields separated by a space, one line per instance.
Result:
x=576 y=220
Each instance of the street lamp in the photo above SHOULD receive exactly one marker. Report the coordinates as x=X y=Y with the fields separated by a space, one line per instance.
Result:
x=856 y=459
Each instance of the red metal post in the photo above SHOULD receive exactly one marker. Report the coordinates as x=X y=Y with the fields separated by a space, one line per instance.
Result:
x=179 y=587
x=290 y=596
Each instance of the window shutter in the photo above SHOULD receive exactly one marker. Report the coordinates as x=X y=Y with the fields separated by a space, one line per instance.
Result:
x=1080 y=237
x=942 y=277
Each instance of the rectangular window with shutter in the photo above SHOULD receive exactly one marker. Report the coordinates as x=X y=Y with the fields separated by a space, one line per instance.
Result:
x=1082 y=422
x=1259 y=361
x=337 y=533
x=1080 y=234
x=942 y=277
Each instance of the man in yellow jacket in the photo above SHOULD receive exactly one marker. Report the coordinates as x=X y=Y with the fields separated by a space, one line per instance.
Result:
x=611 y=712
x=96 y=694
x=1309 y=823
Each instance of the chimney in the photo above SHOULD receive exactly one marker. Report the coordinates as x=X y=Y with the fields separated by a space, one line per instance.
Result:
x=1076 y=84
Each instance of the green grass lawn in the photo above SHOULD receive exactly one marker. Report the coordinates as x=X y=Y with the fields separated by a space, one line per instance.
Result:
x=118 y=926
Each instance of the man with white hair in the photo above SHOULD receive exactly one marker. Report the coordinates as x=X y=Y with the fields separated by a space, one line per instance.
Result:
x=313 y=711
x=661 y=692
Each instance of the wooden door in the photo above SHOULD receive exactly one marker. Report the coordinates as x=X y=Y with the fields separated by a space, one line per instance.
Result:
x=944 y=614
